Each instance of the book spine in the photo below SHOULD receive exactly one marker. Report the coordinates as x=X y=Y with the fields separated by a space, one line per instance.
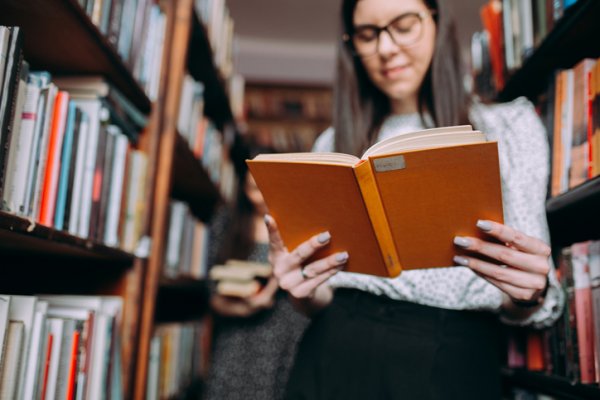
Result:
x=368 y=187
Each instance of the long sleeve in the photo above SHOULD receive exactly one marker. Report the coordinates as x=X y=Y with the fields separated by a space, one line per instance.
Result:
x=524 y=159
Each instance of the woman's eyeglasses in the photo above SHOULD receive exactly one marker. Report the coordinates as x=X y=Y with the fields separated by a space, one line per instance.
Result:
x=404 y=30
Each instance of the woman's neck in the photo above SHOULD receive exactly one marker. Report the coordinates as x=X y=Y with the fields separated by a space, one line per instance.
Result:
x=404 y=106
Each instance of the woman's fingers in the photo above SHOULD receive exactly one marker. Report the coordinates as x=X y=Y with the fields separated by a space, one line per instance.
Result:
x=313 y=271
x=514 y=292
x=307 y=287
x=503 y=275
x=535 y=263
x=289 y=261
x=514 y=238
x=275 y=241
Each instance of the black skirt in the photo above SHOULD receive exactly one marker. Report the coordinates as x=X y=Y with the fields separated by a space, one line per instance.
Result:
x=370 y=347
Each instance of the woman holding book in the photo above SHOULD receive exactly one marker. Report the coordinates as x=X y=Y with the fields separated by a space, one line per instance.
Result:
x=255 y=337
x=427 y=334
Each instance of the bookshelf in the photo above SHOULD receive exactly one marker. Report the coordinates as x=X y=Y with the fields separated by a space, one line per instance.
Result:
x=61 y=38
x=559 y=387
x=287 y=117
x=567 y=43
x=573 y=215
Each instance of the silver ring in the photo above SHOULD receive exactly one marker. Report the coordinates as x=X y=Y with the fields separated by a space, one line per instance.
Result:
x=303 y=273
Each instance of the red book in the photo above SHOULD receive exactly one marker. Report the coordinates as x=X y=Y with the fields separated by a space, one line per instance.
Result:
x=47 y=365
x=584 y=311
x=52 y=170
x=72 y=377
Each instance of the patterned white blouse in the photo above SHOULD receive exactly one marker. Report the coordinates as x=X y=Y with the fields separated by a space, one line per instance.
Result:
x=524 y=164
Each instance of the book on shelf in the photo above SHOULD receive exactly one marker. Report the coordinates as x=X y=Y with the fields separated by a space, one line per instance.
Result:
x=408 y=197
x=58 y=346
x=240 y=278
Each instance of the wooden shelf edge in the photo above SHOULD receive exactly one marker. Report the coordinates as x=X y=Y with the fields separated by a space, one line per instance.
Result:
x=191 y=182
x=548 y=384
x=563 y=47
x=18 y=233
x=572 y=197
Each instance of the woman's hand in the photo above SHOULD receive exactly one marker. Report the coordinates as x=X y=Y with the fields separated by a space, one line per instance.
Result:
x=523 y=270
x=247 y=306
x=303 y=282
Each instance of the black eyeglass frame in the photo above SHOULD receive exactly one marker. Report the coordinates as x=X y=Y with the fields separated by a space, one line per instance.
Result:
x=347 y=38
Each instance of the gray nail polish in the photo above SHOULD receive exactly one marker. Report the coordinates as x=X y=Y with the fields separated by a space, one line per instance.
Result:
x=341 y=257
x=324 y=237
x=461 y=260
x=484 y=225
x=462 y=241
x=268 y=219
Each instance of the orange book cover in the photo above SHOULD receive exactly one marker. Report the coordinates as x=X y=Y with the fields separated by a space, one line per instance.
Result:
x=535 y=351
x=491 y=16
x=72 y=377
x=398 y=208
x=557 y=147
x=52 y=169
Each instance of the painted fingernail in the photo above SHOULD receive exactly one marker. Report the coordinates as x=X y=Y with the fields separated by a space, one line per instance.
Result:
x=341 y=257
x=461 y=260
x=324 y=237
x=462 y=241
x=268 y=219
x=484 y=225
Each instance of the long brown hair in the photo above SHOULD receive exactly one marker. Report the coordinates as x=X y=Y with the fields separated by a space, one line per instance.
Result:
x=360 y=107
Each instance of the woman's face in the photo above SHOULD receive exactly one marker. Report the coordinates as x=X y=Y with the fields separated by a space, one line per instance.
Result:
x=397 y=69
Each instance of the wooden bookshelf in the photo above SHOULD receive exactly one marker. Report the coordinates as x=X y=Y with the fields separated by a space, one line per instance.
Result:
x=202 y=68
x=61 y=38
x=181 y=299
x=19 y=235
x=569 y=42
x=574 y=216
x=191 y=182
x=551 y=385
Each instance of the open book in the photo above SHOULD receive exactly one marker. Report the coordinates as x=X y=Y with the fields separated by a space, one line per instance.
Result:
x=396 y=208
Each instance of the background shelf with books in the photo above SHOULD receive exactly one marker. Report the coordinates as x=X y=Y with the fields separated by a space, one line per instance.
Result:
x=551 y=60
x=286 y=118
x=121 y=64
x=194 y=174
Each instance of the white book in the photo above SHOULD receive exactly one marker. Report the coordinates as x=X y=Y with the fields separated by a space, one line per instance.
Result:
x=22 y=308
x=79 y=166
x=526 y=19
x=15 y=143
x=41 y=156
x=509 y=50
x=154 y=361
x=177 y=215
x=55 y=328
x=4 y=310
x=18 y=163
x=9 y=378
x=113 y=211
x=42 y=81
x=567 y=128
x=135 y=197
x=185 y=106
x=4 y=36
x=96 y=116
x=32 y=366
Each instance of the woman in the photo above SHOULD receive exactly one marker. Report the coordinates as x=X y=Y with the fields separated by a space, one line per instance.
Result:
x=254 y=338
x=428 y=334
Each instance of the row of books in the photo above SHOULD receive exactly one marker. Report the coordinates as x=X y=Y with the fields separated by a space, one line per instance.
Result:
x=571 y=348
x=207 y=143
x=57 y=347
x=574 y=118
x=66 y=154
x=288 y=103
x=286 y=137
x=514 y=29
x=187 y=244
x=524 y=394
x=136 y=29
x=175 y=359
x=219 y=25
